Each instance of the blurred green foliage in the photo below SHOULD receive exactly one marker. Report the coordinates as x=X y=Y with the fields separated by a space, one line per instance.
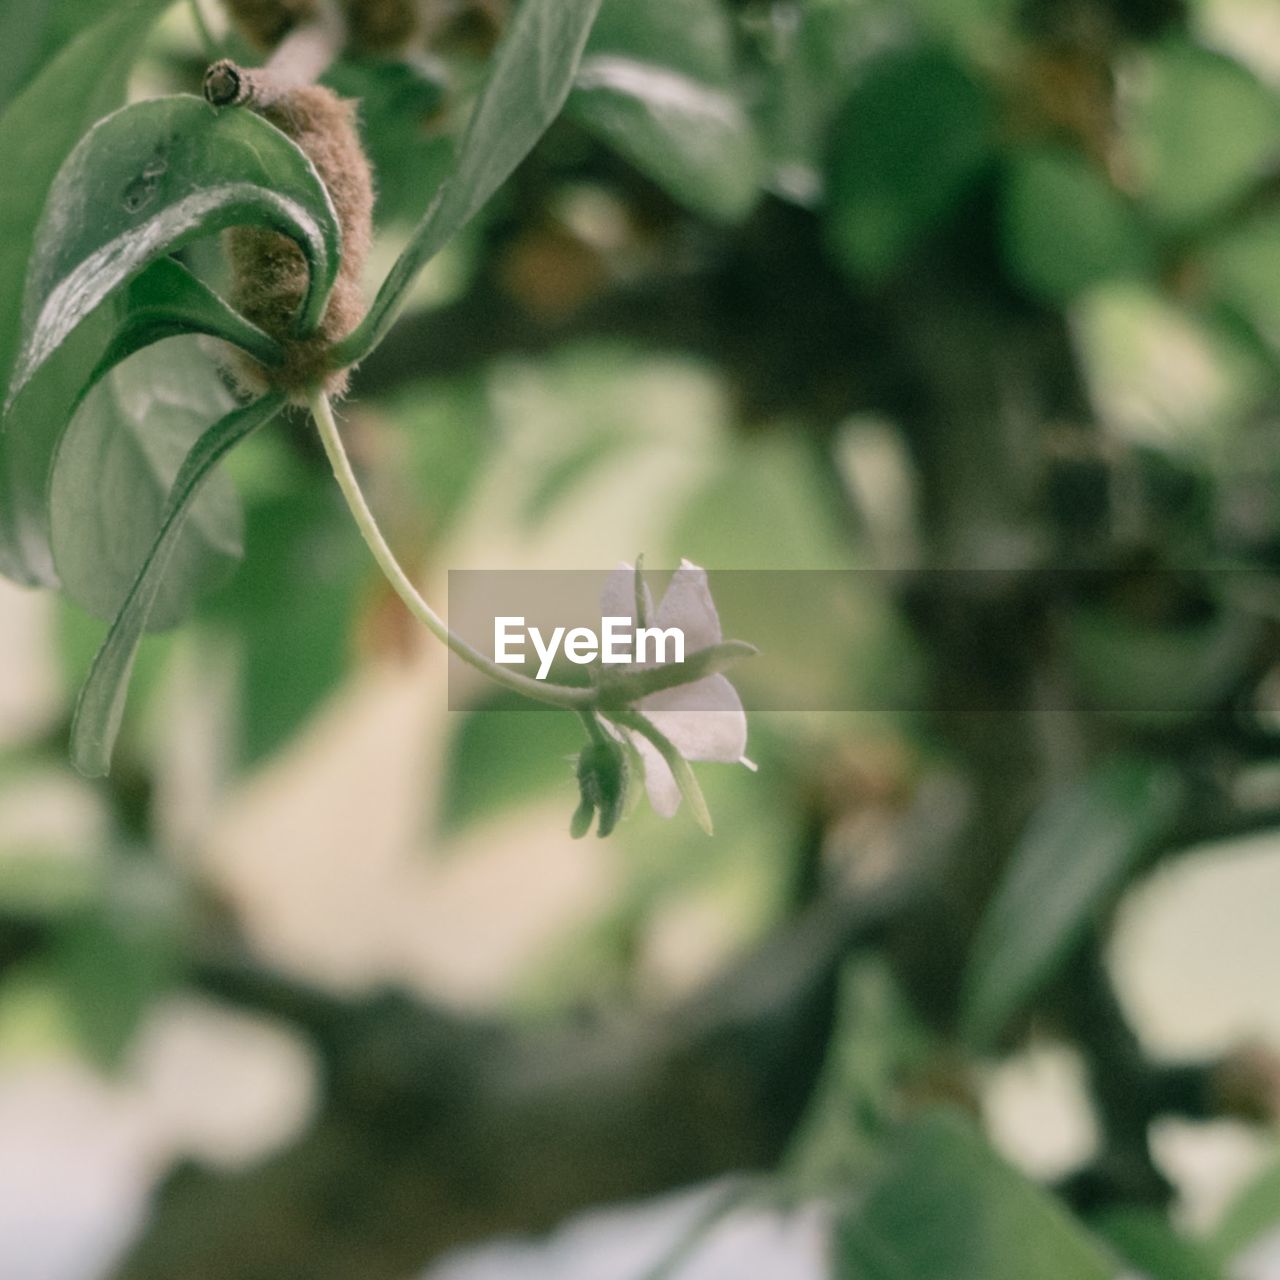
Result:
x=1037 y=245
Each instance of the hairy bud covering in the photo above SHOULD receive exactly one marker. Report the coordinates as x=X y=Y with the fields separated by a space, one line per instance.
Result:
x=269 y=269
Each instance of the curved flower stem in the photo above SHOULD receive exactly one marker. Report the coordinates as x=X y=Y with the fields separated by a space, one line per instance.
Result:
x=557 y=695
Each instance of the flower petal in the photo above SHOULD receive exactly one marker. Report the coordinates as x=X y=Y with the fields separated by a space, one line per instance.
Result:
x=659 y=781
x=687 y=604
x=704 y=720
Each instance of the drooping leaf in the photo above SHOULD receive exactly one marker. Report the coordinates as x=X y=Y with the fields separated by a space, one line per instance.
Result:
x=656 y=82
x=1203 y=129
x=29 y=441
x=154 y=176
x=1074 y=855
x=166 y=300
x=947 y=1208
x=101 y=702
x=910 y=142
x=1065 y=227
x=532 y=74
x=37 y=132
x=111 y=478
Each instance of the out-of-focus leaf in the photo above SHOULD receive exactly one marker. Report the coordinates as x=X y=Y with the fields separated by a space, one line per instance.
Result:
x=1202 y=129
x=112 y=475
x=1158 y=676
x=1253 y=1213
x=532 y=75
x=807 y=64
x=114 y=962
x=33 y=32
x=37 y=132
x=1075 y=854
x=972 y=25
x=567 y=474
x=150 y=178
x=407 y=145
x=1241 y=266
x=290 y=610
x=447 y=435
x=947 y=1208
x=656 y=82
x=504 y=754
x=101 y=703
x=911 y=140
x=1146 y=1239
x=1066 y=227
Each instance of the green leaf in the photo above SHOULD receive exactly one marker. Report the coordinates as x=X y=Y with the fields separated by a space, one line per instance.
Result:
x=115 y=962
x=111 y=479
x=1254 y=1212
x=1145 y=1238
x=37 y=132
x=656 y=84
x=150 y=178
x=533 y=72
x=32 y=32
x=101 y=702
x=1203 y=130
x=167 y=300
x=912 y=139
x=1076 y=852
x=1066 y=227
x=28 y=444
x=1242 y=266
x=947 y=1208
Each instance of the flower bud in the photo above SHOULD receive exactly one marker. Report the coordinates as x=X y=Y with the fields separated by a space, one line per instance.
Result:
x=603 y=774
x=269 y=272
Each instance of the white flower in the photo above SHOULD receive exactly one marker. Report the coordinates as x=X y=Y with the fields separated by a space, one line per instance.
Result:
x=704 y=719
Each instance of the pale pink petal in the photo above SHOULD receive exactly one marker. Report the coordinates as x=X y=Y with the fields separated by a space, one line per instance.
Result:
x=659 y=781
x=704 y=720
x=687 y=604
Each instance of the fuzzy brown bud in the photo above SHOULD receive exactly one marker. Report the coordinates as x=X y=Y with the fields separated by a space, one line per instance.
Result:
x=269 y=271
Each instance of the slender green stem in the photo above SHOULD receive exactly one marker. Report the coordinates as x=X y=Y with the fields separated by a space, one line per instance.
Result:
x=557 y=695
